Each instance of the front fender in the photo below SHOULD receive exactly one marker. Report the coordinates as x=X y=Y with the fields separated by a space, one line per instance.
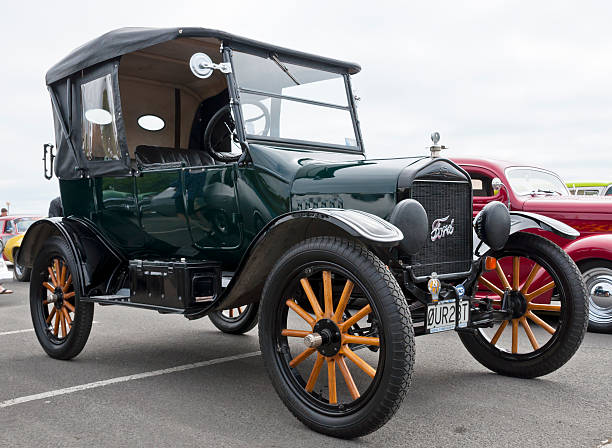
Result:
x=97 y=261
x=590 y=247
x=289 y=229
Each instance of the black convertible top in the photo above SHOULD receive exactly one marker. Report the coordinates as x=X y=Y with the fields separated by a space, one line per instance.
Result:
x=126 y=40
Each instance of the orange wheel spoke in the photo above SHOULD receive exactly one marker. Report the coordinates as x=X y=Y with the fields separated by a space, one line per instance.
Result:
x=49 y=287
x=53 y=279
x=530 y=335
x=67 y=316
x=62 y=279
x=295 y=333
x=331 y=380
x=301 y=312
x=344 y=326
x=348 y=379
x=486 y=283
x=516 y=263
x=57 y=271
x=358 y=361
x=302 y=356
x=68 y=283
x=56 y=326
x=540 y=322
x=530 y=278
x=312 y=298
x=502 y=276
x=316 y=369
x=69 y=295
x=63 y=322
x=499 y=332
x=514 y=335
x=231 y=312
x=344 y=298
x=538 y=292
x=544 y=307
x=68 y=305
x=350 y=339
x=327 y=294
x=51 y=314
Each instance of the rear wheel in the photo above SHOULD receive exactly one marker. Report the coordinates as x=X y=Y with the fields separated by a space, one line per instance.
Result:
x=20 y=272
x=61 y=321
x=598 y=281
x=336 y=337
x=237 y=320
x=544 y=288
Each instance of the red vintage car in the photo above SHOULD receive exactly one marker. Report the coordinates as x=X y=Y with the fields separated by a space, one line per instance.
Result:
x=533 y=189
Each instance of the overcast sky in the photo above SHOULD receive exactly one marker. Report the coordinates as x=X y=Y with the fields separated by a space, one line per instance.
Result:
x=525 y=81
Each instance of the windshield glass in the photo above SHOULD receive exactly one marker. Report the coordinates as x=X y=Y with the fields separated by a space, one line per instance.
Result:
x=286 y=101
x=23 y=224
x=532 y=181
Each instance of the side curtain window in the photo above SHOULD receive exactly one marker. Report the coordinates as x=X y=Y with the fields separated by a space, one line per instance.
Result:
x=99 y=125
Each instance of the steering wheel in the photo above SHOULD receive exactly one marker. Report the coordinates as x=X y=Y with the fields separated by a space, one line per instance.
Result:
x=220 y=135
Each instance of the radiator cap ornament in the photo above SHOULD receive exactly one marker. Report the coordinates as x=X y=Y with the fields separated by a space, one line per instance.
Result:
x=435 y=148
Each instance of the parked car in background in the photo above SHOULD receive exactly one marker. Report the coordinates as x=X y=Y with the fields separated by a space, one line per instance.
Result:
x=11 y=226
x=590 y=188
x=10 y=252
x=533 y=189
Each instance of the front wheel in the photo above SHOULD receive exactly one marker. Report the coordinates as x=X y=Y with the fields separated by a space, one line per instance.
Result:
x=598 y=280
x=336 y=337
x=543 y=287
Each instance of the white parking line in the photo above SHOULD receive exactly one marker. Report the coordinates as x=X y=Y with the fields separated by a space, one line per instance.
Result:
x=6 y=333
x=123 y=379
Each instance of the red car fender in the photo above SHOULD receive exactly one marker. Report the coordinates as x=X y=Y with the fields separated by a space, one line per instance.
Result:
x=590 y=247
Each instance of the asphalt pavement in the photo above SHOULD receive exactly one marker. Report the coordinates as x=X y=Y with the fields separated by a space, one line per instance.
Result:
x=146 y=379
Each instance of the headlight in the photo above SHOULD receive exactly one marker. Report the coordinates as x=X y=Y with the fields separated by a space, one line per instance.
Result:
x=492 y=225
x=411 y=218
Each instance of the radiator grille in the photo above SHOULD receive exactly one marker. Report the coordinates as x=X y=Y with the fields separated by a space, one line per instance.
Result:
x=451 y=253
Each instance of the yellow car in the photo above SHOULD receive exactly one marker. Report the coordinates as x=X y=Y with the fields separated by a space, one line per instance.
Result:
x=11 y=248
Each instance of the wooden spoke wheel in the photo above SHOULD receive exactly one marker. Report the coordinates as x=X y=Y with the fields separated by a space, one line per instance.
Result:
x=236 y=320
x=62 y=323
x=542 y=287
x=327 y=312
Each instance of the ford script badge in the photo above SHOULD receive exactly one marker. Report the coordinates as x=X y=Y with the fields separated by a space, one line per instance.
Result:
x=440 y=228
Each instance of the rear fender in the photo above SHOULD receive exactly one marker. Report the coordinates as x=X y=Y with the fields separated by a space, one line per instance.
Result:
x=291 y=228
x=100 y=265
x=590 y=248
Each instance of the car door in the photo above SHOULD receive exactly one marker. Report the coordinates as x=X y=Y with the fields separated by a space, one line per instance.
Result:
x=212 y=206
x=482 y=188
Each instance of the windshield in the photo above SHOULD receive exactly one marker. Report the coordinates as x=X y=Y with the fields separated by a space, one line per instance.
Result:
x=23 y=224
x=533 y=181
x=283 y=101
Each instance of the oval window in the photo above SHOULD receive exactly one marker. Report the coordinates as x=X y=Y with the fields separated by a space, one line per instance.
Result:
x=98 y=116
x=151 y=123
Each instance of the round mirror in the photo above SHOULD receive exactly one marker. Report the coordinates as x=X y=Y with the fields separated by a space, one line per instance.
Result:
x=151 y=123
x=496 y=183
x=201 y=65
x=98 y=116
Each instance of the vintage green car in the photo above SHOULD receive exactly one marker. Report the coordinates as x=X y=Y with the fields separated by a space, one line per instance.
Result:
x=206 y=174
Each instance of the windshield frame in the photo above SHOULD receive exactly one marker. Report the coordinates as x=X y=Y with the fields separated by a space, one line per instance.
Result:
x=509 y=170
x=245 y=138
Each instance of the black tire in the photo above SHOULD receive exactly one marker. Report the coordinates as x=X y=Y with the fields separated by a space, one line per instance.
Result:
x=572 y=314
x=21 y=273
x=244 y=321
x=597 y=276
x=343 y=261
x=58 y=344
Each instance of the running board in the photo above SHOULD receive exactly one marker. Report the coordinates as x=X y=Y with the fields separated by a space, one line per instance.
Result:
x=126 y=301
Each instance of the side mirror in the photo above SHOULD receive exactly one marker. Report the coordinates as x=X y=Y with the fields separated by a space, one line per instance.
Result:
x=497 y=185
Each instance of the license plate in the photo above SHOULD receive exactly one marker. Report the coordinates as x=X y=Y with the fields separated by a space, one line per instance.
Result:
x=446 y=315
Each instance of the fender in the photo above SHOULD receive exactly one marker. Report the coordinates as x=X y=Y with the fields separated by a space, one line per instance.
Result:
x=590 y=247
x=288 y=229
x=100 y=265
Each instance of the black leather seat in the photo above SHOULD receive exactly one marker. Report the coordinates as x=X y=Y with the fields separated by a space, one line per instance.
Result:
x=157 y=156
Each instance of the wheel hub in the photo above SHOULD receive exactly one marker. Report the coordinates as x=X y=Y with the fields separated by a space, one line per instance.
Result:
x=326 y=338
x=517 y=303
x=58 y=298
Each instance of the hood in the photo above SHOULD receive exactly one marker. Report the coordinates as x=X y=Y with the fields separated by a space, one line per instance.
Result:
x=570 y=204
